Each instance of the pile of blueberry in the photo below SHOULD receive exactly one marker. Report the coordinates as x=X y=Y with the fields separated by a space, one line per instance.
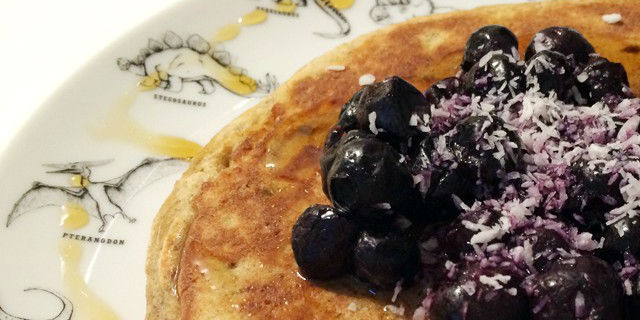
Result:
x=506 y=192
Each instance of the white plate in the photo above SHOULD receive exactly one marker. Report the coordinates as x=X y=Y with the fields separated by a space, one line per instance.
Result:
x=191 y=103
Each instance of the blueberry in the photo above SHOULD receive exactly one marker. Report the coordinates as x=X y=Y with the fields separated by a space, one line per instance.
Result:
x=621 y=238
x=550 y=71
x=601 y=78
x=475 y=153
x=581 y=288
x=544 y=245
x=455 y=238
x=322 y=241
x=591 y=195
x=419 y=154
x=632 y=301
x=443 y=89
x=444 y=184
x=339 y=134
x=500 y=74
x=335 y=133
x=469 y=298
x=479 y=165
x=384 y=108
x=566 y=41
x=367 y=177
x=486 y=39
x=385 y=259
x=437 y=184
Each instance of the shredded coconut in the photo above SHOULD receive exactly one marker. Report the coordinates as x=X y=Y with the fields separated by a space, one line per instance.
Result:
x=497 y=281
x=372 y=123
x=366 y=79
x=612 y=18
x=336 y=68
x=394 y=309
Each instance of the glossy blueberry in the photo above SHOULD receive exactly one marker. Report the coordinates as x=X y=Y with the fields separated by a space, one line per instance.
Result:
x=322 y=241
x=591 y=194
x=620 y=238
x=544 y=245
x=470 y=299
x=601 y=78
x=473 y=164
x=333 y=136
x=580 y=288
x=385 y=259
x=385 y=109
x=550 y=71
x=447 y=182
x=632 y=301
x=566 y=41
x=436 y=184
x=443 y=89
x=486 y=39
x=419 y=154
x=420 y=164
x=467 y=145
x=454 y=238
x=367 y=177
x=499 y=75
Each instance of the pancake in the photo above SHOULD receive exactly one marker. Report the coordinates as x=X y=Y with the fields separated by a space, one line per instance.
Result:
x=220 y=245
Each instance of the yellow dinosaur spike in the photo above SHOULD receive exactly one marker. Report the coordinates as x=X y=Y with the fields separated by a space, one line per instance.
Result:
x=342 y=4
x=287 y=6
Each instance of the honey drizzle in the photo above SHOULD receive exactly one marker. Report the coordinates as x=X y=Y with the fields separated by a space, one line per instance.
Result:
x=86 y=303
x=254 y=17
x=74 y=216
x=120 y=126
x=78 y=181
x=227 y=32
x=152 y=81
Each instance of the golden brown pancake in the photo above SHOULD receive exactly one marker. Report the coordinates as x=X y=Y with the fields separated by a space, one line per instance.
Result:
x=220 y=245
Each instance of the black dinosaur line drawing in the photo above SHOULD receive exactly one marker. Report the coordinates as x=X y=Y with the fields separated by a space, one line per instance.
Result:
x=65 y=313
x=101 y=199
x=344 y=26
x=394 y=11
x=172 y=62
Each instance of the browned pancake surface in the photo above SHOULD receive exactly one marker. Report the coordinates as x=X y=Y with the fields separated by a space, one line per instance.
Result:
x=221 y=243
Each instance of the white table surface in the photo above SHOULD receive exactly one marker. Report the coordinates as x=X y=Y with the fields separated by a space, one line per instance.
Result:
x=43 y=42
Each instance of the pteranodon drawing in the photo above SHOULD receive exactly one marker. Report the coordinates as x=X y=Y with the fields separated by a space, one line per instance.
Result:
x=101 y=199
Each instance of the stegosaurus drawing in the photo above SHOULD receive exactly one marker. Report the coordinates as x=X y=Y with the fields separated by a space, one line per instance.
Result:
x=172 y=62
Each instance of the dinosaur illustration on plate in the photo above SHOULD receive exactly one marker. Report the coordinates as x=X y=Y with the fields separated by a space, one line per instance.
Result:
x=65 y=313
x=394 y=11
x=173 y=62
x=100 y=199
x=287 y=8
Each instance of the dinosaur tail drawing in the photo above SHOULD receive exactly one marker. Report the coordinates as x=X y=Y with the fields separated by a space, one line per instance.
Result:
x=124 y=64
x=64 y=314
x=337 y=16
x=128 y=65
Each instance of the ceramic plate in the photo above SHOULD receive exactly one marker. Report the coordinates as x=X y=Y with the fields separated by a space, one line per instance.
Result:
x=83 y=180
